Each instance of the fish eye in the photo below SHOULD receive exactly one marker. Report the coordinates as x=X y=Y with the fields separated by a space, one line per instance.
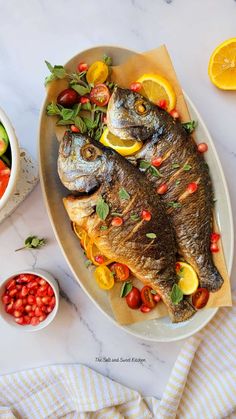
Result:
x=89 y=152
x=141 y=107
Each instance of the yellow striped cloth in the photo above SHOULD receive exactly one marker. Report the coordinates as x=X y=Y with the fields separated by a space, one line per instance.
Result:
x=202 y=385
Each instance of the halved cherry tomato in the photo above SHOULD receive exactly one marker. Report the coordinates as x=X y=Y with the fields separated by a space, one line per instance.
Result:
x=157 y=161
x=100 y=95
x=4 y=177
x=133 y=299
x=68 y=98
x=215 y=237
x=200 y=298
x=121 y=271
x=202 y=147
x=104 y=277
x=147 y=297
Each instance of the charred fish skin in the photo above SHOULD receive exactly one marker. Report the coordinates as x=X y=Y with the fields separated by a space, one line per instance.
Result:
x=191 y=213
x=152 y=260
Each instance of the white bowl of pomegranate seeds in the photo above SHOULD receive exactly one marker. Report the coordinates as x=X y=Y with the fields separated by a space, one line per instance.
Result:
x=29 y=300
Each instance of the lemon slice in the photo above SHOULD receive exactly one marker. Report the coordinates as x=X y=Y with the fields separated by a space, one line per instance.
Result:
x=157 y=88
x=123 y=147
x=188 y=281
x=222 y=65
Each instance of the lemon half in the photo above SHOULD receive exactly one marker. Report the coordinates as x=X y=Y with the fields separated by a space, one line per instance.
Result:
x=222 y=65
x=123 y=147
x=157 y=88
x=188 y=281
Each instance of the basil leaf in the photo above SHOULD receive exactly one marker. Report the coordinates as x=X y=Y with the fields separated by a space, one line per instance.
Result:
x=176 y=294
x=102 y=208
x=125 y=289
x=175 y=165
x=80 y=89
x=134 y=217
x=144 y=164
x=79 y=123
x=123 y=194
x=189 y=126
x=187 y=167
x=151 y=235
x=67 y=114
x=154 y=172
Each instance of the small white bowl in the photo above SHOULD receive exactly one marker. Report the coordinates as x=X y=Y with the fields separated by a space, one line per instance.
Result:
x=29 y=328
x=15 y=158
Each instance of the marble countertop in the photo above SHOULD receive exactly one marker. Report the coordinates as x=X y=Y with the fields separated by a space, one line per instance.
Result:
x=31 y=32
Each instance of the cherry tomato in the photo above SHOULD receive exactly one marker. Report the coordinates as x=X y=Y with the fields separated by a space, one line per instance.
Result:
x=192 y=187
x=215 y=237
x=147 y=297
x=136 y=86
x=68 y=98
x=157 y=161
x=117 y=221
x=4 y=177
x=74 y=128
x=162 y=104
x=121 y=272
x=133 y=299
x=99 y=259
x=200 y=298
x=162 y=189
x=84 y=100
x=82 y=67
x=104 y=277
x=202 y=147
x=214 y=248
x=100 y=95
x=146 y=215
x=174 y=113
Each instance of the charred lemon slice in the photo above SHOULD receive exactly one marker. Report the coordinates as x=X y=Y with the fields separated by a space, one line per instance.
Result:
x=156 y=88
x=123 y=147
x=188 y=280
x=222 y=65
x=97 y=73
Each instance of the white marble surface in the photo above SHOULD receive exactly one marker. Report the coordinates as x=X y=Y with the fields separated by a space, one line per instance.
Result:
x=33 y=31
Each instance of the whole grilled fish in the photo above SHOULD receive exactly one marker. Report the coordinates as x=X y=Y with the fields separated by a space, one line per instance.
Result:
x=131 y=116
x=146 y=247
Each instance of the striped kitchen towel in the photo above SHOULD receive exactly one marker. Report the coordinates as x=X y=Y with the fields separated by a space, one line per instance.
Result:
x=202 y=385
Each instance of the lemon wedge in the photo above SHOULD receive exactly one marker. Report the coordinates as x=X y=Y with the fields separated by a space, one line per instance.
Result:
x=222 y=65
x=156 y=88
x=123 y=147
x=188 y=281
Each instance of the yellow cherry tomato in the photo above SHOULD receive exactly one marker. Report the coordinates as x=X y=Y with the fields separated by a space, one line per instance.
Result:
x=97 y=73
x=104 y=277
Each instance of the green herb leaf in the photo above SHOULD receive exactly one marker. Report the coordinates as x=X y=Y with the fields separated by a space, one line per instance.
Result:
x=151 y=235
x=177 y=182
x=154 y=172
x=86 y=106
x=123 y=194
x=126 y=288
x=134 y=217
x=89 y=123
x=76 y=109
x=174 y=204
x=49 y=66
x=88 y=263
x=153 y=292
x=117 y=214
x=144 y=164
x=67 y=114
x=176 y=294
x=107 y=60
x=80 y=89
x=189 y=126
x=187 y=167
x=175 y=165
x=103 y=227
x=79 y=123
x=32 y=242
x=57 y=72
x=65 y=122
x=100 y=109
x=53 y=109
x=102 y=208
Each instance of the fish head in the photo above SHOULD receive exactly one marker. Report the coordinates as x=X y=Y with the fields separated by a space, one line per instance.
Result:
x=131 y=116
x=81 y=162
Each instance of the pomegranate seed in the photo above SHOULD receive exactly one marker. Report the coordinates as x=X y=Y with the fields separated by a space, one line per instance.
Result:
x=214 y=248
x=42 y=282
x=42 y=291
x=28 y=308
x=19 y=320
x=9 y=308
x=44 y=309
x=18 y=304
x=82 y=67
x=6 y=299
x=74 y=128
x=32 y=284
x=50 y=291
x=145 y=309
x=34 y=321
x=42 y=318
x=84 y=100
x=49 y=309
x=135 y=86
x=24 y=291
x=202 y=147
x=26 y=319
x=38 y=312
x=174 y=114
x=156 y=298
x=31 y=299
x=192 y=187
x=13 y=292
x=17 y=313
x=25 y=301
x=31 y=314
x=46 y=300
x=157 y=161
x=117 y=221
x=215 y=237
x=162 y=104
x=26 y=277
x=146 y=215
x=99 y=259
x=34 y=307
x=177 y=266
x=39 y=301
x=162 y=189
x=19 y=287
x=11 y=284
x=53 y=302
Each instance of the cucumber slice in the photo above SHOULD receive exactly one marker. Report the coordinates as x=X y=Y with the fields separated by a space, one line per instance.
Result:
x=4 y=140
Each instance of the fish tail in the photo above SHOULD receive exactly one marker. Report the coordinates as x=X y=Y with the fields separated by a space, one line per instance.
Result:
x=182 y=311
x=211 y=279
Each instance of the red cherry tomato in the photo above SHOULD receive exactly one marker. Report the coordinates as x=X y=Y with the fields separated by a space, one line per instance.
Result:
x=84 y=100
x=74 y=128
x=162 y=104
x=147 y=297
x=174 y=113
x=145 y=309
x=214 y=248
x=215 y=237
x=117 y=221
x=146 y=215
x=202 y=147
x=162 y=189
x=82 y=67
x=135 y=86
x=192 y=187
x=133 y=299
x=200 y=298
x=157 y=161
x=121 y=271
x=100 y=95
x=68 y=98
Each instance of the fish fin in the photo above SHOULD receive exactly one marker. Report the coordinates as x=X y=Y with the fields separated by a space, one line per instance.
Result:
x=211 y=279
x=182 y=311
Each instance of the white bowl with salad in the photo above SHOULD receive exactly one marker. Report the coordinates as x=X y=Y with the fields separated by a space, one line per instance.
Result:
x=9 y=159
